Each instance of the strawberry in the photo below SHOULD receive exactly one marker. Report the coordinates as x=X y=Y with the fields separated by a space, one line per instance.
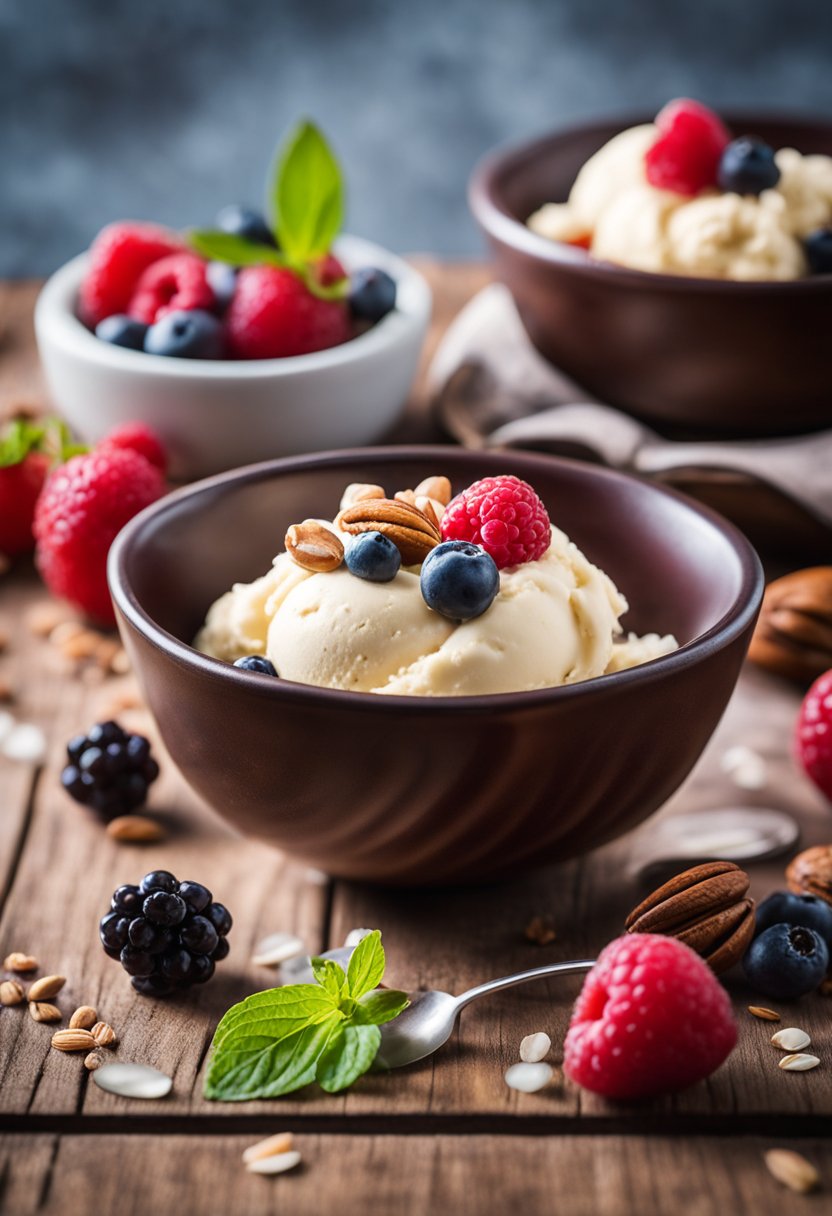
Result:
x=273 y=314
x=139 y=438
x=23 y=468
x=118 y=256
x=83 y=506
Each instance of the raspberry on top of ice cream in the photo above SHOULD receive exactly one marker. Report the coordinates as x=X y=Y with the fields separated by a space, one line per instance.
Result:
x=681 y=196
x=419 y=595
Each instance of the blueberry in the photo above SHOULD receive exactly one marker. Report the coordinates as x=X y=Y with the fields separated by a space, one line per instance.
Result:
x=190 y=334
x=127 y=899
x=199 y=936
x=195 y=896
x=158 y=880
x=119 y=330
x=459 y=580
x=818 y=246
x=786 y=961
x=136 y=962
x=245 y=222
x=258 y=663
x=164 y=908
x=786 y=908
x=219 y=917
x=373 y=556
x=372 y=294
x=748 y=166
x=113 y=930
x=222 y=279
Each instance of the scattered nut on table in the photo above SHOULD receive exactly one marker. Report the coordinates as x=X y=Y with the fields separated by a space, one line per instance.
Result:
x=793 y=637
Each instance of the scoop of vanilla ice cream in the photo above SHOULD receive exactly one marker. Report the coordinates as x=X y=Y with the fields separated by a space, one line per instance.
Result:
x=802 y=199
x=635 y=650
x=727 y=236
x=633 y=229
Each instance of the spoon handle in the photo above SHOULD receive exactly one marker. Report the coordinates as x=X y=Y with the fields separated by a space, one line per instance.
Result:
x=523 y=977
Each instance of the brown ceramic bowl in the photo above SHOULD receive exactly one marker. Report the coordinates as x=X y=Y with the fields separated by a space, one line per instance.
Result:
x=411 y=790
x=690 y=356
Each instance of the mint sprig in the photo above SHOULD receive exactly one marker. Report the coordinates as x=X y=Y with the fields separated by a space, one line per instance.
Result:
x=49 y=436
x=306 y=211
x=277 y=1041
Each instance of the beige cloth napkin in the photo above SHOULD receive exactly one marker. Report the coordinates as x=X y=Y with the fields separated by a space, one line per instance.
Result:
x=492 y=389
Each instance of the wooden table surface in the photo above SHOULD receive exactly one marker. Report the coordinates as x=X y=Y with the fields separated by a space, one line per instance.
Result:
x=446 y=1135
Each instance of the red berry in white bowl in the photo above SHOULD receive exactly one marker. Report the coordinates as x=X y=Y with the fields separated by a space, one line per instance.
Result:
x=118 y=256
x=137 y=437
x=813 y=734
x=273 y=314
x=503 y=515
x=84 y=504
x=178 y=283
x=685 y=157
x=651 y=1019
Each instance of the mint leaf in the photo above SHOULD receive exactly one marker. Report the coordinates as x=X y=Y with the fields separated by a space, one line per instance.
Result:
x=278 y=1012
x=251 y=1063
x=347 y=1056
x=235 y=250
x=330 y=975
x=306 y=199
x=382 y=1005
x=19 y=438
x=366 y=965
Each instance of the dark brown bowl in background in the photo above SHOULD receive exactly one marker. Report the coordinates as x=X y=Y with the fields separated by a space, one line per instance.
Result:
x=410 y=790
x=691 y=356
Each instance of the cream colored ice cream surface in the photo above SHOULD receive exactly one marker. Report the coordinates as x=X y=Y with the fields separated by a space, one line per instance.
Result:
x=554 y=621
x=714 y=235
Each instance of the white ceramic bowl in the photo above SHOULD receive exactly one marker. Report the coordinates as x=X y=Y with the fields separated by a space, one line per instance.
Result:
x=215 y=415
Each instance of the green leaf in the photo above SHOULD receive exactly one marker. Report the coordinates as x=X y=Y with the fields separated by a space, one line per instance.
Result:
x=331 y=976
x=347 y=1056
x=278 y=1012
x=251 y=1064
x=306 y=199
x=366 y=965
x=19 y=438
x=235 y=250
x=382 y=1005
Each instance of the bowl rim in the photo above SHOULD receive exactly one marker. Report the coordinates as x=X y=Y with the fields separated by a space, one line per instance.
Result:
x=499 y=223
x=734 y=622
x=57 y=323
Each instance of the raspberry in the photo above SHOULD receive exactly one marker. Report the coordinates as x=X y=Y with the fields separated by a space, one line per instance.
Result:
x=273 y=314
x=137 y=437
x=502 y=514
x=84 y=504
x=174 y=284
x=813 y=733
x=685 y=157
x=651 y=1019
x=118 y=256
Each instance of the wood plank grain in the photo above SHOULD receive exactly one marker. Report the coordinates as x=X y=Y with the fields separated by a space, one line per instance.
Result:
x=414 y=1175
x=21 y=382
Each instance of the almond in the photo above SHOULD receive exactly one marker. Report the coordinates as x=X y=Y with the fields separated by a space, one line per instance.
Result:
x=103 y=1034
x=20 y=962
x=410 y=530
x=793 y=1170
x=11 y=992
x=427 y=508
x=360 y=491
x=94 y=1060
x=135 y=829
x=435 y=487
x=314 y=547
x=47 y=987
x=73 y=1040
x=84 y=1018
x=42 y=1011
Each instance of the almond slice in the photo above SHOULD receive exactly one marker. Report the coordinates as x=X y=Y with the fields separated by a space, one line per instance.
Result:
x=435 y=487
x=798 y=1062
x=793 y=1170
x=283 y=1142
x=314 y=547
x=791 y=1038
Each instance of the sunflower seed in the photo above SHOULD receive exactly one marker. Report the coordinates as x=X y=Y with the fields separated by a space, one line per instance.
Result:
x=767 y=1015
x=535 y=1047
x=798 y=1063
x=528 y=1078
x=278 y=1164
x=133 y=1080
x=270 y=1147
x=791 y=1039
x=275 y=949
x=793 y=1170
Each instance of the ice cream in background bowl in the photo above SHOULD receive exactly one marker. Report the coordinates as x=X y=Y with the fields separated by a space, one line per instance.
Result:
x=410 y=789
x=554 y=618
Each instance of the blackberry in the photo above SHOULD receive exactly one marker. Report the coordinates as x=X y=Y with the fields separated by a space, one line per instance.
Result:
x=167 y=935
x=109 y=770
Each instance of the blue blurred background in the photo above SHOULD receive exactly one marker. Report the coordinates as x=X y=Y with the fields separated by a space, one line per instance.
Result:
x=167 y=110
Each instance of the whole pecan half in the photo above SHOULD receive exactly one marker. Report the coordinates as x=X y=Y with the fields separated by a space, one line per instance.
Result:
x=793 y=637
x=707 y=908
x=410 y=530
x=810 y=873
